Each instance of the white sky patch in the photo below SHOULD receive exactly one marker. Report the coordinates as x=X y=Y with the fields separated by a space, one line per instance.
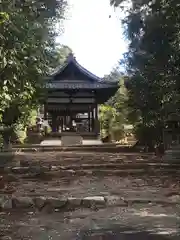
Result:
x=96 y=38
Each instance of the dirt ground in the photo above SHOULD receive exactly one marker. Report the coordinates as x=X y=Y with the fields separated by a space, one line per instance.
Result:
x=139 y=221
x=87 y=224
x=74 y=186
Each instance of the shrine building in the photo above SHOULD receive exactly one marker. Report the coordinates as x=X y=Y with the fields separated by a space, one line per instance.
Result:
x=72 y=98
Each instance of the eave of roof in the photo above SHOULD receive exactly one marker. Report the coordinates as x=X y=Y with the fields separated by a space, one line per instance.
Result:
x=72 y=59
x=52 y=84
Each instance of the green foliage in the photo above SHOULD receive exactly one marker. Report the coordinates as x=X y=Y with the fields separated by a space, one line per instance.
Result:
x=62 y=54
x=3 y=17
x=152 y=60
x=26 y=40
x=105 y=117
x=59 y=56
x=113 y=115
x=31 y=121
x=19 y=133
x=27 y=44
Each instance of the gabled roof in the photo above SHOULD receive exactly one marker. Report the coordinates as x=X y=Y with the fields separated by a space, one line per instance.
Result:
x=72 y=60
x=104 y=89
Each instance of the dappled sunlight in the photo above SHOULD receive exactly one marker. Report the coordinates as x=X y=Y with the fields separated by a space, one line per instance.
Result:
x=148 y=214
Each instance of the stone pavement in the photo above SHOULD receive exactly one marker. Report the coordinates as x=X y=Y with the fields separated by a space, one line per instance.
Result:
x=37 y=201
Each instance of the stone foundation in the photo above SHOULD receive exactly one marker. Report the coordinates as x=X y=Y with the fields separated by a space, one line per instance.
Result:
x=71 y=140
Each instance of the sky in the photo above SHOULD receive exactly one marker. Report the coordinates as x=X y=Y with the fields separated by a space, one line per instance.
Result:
x=94 y=32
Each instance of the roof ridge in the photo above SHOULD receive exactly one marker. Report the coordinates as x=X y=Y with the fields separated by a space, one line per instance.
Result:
x=72 y=59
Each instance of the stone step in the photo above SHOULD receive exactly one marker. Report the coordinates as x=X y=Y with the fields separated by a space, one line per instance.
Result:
x=37 y=167
x=50 y=204
x=126 y=165
x=83 y=162
x=40 y=190
x=86 y=162
x=90 y=164
x=82 y=148
x=19 y=146
x=85 y=165
x=44 y=173
x=73 y=156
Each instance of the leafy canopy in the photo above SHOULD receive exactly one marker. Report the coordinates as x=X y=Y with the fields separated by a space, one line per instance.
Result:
x=152 y=61
x=113 y=114
x=27 y=43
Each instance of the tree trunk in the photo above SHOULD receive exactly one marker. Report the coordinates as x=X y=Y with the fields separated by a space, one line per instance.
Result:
x=6 y=135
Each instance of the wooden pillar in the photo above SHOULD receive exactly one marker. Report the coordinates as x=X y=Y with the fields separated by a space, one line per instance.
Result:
x=92 y=120
x=61 y=123
x=64 y=122
x=96 y=112
x=97 y=128
x=70 y=120
x=89 y=118
x=57 y=122
x=54 y=126
x=66 y=118
x=45 y=111
x=45 y=118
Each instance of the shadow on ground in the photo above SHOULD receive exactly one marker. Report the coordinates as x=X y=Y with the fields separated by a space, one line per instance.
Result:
x=122 y=234
x=6 y=158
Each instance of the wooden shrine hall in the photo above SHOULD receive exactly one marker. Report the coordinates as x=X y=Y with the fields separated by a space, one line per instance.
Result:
x=72 y=98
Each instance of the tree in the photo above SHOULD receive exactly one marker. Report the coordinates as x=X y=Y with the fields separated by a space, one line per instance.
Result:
x=152 y=60
x=59 y=56
x=27 y=41
x=113 y=114
x=62 y=54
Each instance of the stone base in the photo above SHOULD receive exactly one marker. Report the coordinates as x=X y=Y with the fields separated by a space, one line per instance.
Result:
x=71 y=140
